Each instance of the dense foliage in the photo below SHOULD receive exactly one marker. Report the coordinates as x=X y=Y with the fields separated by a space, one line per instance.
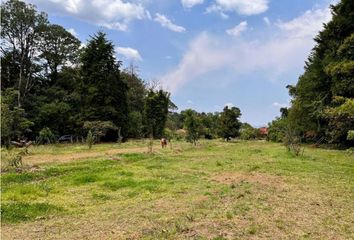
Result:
x=229 y=123
x=322 y=108
x=51 y=84
x=193 y=125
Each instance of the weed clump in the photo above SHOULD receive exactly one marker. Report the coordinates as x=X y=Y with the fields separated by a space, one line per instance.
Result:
x=13 y=159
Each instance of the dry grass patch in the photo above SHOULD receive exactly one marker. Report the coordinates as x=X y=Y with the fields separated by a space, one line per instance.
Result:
x=231 y=178
x=40 y=159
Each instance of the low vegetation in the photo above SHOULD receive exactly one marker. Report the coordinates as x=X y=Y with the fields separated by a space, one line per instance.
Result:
x=216 y=190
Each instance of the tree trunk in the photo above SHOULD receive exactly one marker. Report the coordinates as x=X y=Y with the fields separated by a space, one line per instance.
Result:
x=19 y=88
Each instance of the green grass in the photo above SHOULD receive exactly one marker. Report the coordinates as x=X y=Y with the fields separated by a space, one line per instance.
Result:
x=19 y=211
x=217 y=190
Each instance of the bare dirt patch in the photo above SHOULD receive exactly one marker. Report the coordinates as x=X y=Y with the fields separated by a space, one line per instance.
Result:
x=48 y=158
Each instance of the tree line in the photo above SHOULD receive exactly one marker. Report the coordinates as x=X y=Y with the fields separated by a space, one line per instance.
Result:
x=52 y=85
x=322 y=106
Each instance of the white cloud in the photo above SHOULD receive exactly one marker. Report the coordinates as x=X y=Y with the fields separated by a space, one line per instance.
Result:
x=216 y=9
x=191 y=3
x=307 y=24
x=112 y=14
x=279 y=54
x=190 y=102
x=167 y=23
x=129 y=53
x=229 y=105
x=243 y=7
x=203 y=55
x=267 y=21
x=73 y=32
x=224 y=15
x=148 y=15
x=280 y=105
x=238 y=29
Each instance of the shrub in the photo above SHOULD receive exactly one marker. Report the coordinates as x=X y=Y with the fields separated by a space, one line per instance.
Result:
x=276 y=130
x=46 y=136
x=100 y=128
x=292 y=141
x=247 y=132
x=90 y=139
x=181 y=134
x=13 y=158
x=169 y=134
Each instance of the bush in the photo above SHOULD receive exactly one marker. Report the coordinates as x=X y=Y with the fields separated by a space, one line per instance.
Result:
x=181 y=134
x=100 y=128
x=46 y=136
x=169 y=134
x=13 y=158
x=247 y=132
x=90 y=139
x=276 y=130
x=350 y=135
x=292 y=142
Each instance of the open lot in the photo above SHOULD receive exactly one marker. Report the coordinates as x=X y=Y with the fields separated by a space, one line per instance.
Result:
x=217 y=190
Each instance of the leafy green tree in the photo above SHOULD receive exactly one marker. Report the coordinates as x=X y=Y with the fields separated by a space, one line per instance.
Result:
x=135 y=125
x=156 y=111
x=103 y=93
x=277 y=129
x=340 y=120
x=22 y=27
x=21 y=125
x=210 y=124
x=6 y=124
x=328 y=74
x=58 y=47
x=57 y=106
x=193 y=125
x=14 y=121
x=137 y=89
x=229 y=124
x=174 y=121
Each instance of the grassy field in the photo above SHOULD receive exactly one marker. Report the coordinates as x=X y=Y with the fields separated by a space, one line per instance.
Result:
x=218 y=190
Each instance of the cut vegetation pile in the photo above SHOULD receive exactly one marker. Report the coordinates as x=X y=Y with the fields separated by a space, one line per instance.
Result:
x=237 y=190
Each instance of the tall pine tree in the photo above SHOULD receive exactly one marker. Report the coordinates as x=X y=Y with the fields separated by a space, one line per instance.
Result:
x=104 y=94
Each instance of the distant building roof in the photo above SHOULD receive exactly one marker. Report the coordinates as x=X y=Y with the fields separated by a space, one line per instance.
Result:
x=263 y=130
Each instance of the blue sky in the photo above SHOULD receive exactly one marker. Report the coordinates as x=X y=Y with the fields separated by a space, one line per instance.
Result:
x=207 y=53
